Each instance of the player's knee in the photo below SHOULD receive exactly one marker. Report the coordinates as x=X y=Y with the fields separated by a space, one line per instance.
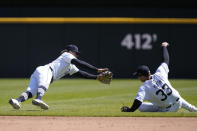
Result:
x=147 y=107
x=141 y=109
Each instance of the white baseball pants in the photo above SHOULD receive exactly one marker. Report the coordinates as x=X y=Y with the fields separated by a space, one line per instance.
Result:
x=41 y=77
x=149 y=107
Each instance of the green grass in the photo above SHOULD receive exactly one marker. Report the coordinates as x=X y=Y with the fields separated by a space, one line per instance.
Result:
x=77 y=97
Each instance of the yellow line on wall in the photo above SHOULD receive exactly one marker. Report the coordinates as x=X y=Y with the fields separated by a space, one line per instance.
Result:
x=96 y=20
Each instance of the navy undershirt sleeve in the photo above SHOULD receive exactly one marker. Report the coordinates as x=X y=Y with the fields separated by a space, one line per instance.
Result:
x=136 y=105
x=86 y=75
x=80 y=63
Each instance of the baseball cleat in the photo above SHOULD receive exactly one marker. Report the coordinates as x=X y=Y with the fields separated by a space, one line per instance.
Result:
x=15 y=104
x=40 y=103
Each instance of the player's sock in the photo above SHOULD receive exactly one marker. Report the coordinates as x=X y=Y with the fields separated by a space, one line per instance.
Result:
x=24 y=96
x=41 y=91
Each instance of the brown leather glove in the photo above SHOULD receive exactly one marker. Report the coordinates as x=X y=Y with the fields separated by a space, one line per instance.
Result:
x=105 y=77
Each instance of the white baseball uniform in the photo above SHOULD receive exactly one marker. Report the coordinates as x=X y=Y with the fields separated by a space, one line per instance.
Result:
x=43 y=74
x=162 y=96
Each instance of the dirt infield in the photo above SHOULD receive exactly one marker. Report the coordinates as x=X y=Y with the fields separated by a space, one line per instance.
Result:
x=30 y=123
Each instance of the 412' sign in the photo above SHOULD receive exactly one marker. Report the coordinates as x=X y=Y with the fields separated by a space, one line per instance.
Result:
x=139 y=41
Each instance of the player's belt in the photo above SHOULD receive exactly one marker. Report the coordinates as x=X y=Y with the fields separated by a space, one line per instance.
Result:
x=172 y=104
x=52 y=73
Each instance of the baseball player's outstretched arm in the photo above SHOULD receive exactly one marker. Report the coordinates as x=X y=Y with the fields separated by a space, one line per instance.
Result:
x=81 y=63
x=136 y=105
x=165 y=54
x=86 y=75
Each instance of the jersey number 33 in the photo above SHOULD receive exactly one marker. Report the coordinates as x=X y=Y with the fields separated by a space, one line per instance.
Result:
x=164 y=92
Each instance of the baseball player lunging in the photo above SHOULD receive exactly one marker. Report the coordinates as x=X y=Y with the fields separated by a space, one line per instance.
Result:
x=66 y=63
x=157 y=90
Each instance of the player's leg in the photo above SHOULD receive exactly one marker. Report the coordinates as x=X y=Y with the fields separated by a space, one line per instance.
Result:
x=41 y=92
x=186 y=105
x=148 y=107
x=44 y=79
x=31 y=90
x=38 y=100
x=24 y=96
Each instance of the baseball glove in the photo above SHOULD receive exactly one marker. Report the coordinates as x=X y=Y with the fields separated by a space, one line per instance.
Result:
x=125 y=109
x=105 y=77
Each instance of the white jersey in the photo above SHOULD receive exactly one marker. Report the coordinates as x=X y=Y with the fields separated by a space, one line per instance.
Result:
x=62 y=66
x=158 y=90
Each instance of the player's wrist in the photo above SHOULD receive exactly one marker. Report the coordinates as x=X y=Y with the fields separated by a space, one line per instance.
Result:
x=100 y=70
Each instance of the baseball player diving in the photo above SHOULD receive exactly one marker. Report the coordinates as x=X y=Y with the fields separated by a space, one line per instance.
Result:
x=157 y=90
x=66 y=63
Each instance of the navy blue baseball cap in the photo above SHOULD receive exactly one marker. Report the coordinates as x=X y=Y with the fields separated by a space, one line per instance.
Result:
x=72 y=48
x=142 y=70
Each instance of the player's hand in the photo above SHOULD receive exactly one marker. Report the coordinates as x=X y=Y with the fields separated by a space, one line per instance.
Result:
x=164 y=44
x=102 y=70
x=125 y=109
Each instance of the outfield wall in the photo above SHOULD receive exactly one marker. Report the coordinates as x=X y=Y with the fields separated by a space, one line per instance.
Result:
x=128 y=38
